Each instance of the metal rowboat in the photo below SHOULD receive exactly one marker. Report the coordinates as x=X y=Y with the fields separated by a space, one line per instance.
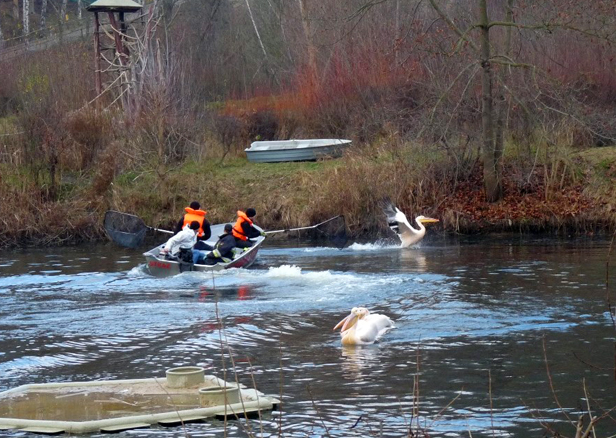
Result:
x=160 y=267
x=295 y=150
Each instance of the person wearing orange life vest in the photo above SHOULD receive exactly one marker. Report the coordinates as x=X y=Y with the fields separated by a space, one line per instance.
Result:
x=194 y=213
x=243 y=229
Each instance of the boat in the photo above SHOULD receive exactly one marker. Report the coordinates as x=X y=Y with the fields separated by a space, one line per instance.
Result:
x=159 y=266
x=295 y=150
x=185 y=395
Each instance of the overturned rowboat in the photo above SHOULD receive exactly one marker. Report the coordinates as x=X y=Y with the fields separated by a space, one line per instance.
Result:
x=185 y=395
x=160 y=267
x=295 y=150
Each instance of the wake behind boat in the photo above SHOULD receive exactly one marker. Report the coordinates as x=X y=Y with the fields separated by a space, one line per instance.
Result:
x=159 y=266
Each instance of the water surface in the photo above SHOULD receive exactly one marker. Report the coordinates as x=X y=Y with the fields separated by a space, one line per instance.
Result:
x=475 y=320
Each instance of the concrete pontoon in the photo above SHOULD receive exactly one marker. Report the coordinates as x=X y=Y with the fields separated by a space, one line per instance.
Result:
x=185 y=395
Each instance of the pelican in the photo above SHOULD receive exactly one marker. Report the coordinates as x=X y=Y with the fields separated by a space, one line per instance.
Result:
x=400 y=225
x=361 y=327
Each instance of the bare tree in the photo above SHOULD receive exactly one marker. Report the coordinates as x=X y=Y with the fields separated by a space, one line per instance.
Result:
x=43 y=15
x=63 y=11
x=26 y=17
x=492 y=94
x=308 y=34
x=254 y=25
x=16 y=9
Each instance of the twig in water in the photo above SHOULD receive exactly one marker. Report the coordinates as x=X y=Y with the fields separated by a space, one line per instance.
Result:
x=314 y=406
x=357 y=422
x=222 y=358
x=547 y=368
x=490 y=395
x=174 y=406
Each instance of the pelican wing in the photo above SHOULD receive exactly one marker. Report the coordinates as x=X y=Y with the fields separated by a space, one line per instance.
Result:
x=396 y=220
x=399 y=223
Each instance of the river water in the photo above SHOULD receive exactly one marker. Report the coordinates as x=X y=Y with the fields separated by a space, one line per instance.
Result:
x=475 y=320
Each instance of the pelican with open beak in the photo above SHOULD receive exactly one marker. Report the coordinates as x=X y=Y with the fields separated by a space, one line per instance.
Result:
x=398 y=222
x=361 y=327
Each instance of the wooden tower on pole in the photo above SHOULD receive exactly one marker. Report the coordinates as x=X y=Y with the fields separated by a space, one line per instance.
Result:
x=117 y=31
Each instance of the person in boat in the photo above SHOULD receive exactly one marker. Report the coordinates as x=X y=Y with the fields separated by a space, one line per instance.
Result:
x=223 y=250
x=179 y=247
x=243 y=230
x=194 y=213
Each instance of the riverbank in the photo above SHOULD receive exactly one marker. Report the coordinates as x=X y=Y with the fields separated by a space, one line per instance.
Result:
x=573 y=198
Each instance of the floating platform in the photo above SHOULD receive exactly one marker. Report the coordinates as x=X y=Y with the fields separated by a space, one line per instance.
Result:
x=185 y=395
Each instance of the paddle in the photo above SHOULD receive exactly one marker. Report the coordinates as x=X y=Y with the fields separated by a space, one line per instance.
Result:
x=126 y=229
x=334 y=229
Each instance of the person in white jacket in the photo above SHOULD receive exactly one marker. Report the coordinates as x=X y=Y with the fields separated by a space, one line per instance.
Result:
x=185 y=239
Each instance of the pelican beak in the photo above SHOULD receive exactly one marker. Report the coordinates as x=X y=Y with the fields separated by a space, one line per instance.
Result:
x=341 y=323
x=347 y=322
x=429 y=220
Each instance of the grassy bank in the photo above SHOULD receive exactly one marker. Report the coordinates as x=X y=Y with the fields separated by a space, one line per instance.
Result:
x=571 y=194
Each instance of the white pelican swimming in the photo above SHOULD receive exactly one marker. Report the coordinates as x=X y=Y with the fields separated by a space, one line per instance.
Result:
x=400 y=225
x=361 y=327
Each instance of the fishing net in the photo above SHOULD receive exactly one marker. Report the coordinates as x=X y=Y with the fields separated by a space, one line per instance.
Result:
x=125 y=229
x=334 y=230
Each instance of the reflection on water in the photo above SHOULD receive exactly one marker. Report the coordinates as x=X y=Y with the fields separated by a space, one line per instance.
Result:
x=472 y=318
x=357 y=361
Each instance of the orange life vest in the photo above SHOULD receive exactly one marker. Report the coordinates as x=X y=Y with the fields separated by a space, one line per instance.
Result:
x=194 y=215
x=238 y=231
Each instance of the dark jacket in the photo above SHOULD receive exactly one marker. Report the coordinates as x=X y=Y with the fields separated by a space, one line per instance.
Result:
x=250 y=231
x=225 y=245
x=207 y=231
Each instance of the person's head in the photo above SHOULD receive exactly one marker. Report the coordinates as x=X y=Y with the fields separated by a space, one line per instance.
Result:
x=194 y=225
x=251 y=212
x=228 y=228
x=195 y=205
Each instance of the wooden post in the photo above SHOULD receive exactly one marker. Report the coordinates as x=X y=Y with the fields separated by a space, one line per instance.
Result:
x=123 y=30
x=97 y=61
x=123 y=58
x=116 y=36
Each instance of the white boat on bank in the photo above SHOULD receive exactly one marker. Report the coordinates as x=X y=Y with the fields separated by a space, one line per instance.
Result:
x=295 y=150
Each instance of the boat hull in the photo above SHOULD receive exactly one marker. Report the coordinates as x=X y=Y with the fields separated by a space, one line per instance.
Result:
x=160 y=267
x=295 y=150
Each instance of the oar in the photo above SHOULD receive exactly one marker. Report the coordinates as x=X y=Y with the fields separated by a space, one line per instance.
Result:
x=126 y=229
x=335 y=231
x=302 y=228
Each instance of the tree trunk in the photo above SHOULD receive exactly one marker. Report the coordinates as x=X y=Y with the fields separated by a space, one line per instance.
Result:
x=502 y=101
x=491 y=166
x=43 y=16
x=63 y=11
x=1 y=37
x=16 y=9
x=26 y=17
x=312 y=51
